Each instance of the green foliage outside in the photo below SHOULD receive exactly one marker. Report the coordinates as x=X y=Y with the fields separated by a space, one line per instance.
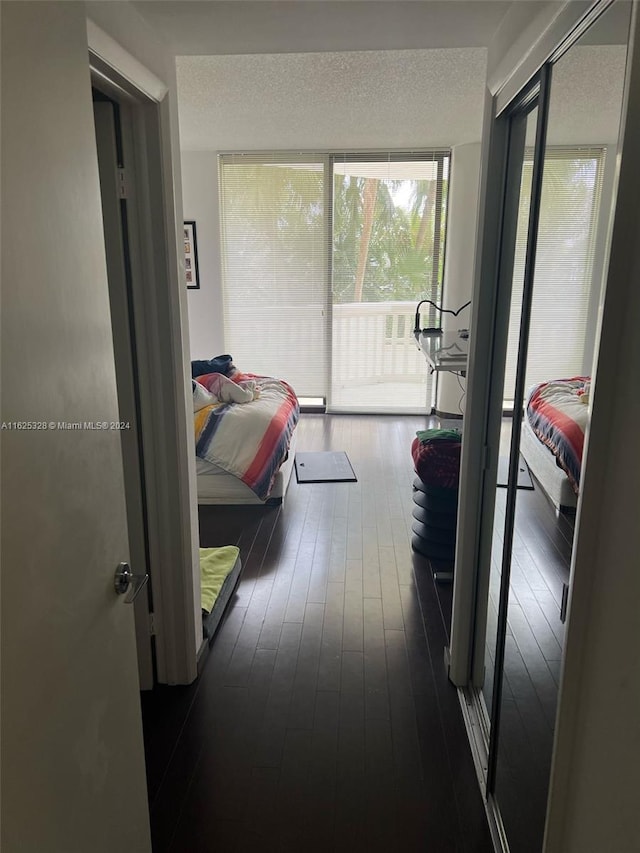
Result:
x=399 y=255
x=275 y=232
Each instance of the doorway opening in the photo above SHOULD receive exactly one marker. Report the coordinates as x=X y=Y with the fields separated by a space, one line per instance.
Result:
x=147 y=306
x=110 y=140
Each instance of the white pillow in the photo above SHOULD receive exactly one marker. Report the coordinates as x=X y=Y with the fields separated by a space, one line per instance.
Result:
x=201 y=397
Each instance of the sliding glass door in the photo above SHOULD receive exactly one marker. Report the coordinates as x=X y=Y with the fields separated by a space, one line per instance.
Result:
x=275 y=266
x=497 y=520
x=324 y=260
x=389 y=219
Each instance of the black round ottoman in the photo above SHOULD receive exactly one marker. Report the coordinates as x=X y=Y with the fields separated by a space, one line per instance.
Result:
x=436 y=457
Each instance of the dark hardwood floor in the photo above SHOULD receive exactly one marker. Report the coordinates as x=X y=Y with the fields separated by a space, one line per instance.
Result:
x=323 y=719
x=540 y=564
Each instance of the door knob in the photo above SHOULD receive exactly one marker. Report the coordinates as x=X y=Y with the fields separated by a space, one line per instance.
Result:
x=125 y=581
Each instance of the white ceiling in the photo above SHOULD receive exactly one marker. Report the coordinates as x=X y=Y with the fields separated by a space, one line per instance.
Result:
x=347 y=100
x=358 y=74
x=297 y=26
x=586 y=95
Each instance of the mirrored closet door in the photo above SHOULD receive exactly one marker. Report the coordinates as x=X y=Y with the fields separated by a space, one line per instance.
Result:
x=559 y=184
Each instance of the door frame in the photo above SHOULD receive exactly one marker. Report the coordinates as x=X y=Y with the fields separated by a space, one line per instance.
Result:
x=115 y=159
x=159 y=291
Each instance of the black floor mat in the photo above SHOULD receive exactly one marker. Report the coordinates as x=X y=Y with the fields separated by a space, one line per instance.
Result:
x=524 y=478
x=324 y=467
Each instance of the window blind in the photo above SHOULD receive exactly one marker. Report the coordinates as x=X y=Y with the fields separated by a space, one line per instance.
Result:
x=563 y=276
x=274 y=244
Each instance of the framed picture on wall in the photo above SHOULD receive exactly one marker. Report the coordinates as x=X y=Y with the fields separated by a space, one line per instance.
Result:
x=191 y=255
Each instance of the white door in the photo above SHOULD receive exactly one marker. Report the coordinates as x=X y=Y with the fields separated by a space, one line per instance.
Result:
x=72 y=750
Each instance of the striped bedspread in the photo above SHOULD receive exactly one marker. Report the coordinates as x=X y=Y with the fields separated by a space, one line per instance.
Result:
x=558 y=412
x=249 y=440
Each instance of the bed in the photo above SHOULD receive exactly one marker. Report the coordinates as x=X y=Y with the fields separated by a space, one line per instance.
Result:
x=245 y=435
x=552 y=440
x=216 y=486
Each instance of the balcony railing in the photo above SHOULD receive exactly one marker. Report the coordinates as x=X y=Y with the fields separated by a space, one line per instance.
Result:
x=372 y=345
x=373 y=342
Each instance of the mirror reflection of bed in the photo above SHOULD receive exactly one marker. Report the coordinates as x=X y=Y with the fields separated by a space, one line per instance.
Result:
x=552 y=438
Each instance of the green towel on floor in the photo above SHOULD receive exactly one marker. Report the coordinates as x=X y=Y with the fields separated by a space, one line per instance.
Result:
x=215 y=565
x=427 y=435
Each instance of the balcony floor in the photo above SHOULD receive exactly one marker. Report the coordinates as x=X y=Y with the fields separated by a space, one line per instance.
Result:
x=388 y=395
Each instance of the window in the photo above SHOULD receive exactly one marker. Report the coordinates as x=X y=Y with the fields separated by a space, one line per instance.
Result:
x=559 y=343
x=324 y=259
x=274 y=240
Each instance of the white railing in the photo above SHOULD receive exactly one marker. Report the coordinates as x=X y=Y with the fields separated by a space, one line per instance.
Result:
x=373 y=342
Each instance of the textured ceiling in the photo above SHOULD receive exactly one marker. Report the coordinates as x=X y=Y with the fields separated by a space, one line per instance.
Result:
x=586 y=95
x=263 y=26
x=365 y=99
x=303 y=74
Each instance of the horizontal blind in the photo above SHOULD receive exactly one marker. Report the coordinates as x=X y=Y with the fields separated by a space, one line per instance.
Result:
x=274 y=243
x=563 y=278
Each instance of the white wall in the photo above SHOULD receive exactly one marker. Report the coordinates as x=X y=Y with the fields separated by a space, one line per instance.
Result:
x=600 y=252
x=520 y=29
x=200 y=194
x=459 y=259
x=124 y=24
